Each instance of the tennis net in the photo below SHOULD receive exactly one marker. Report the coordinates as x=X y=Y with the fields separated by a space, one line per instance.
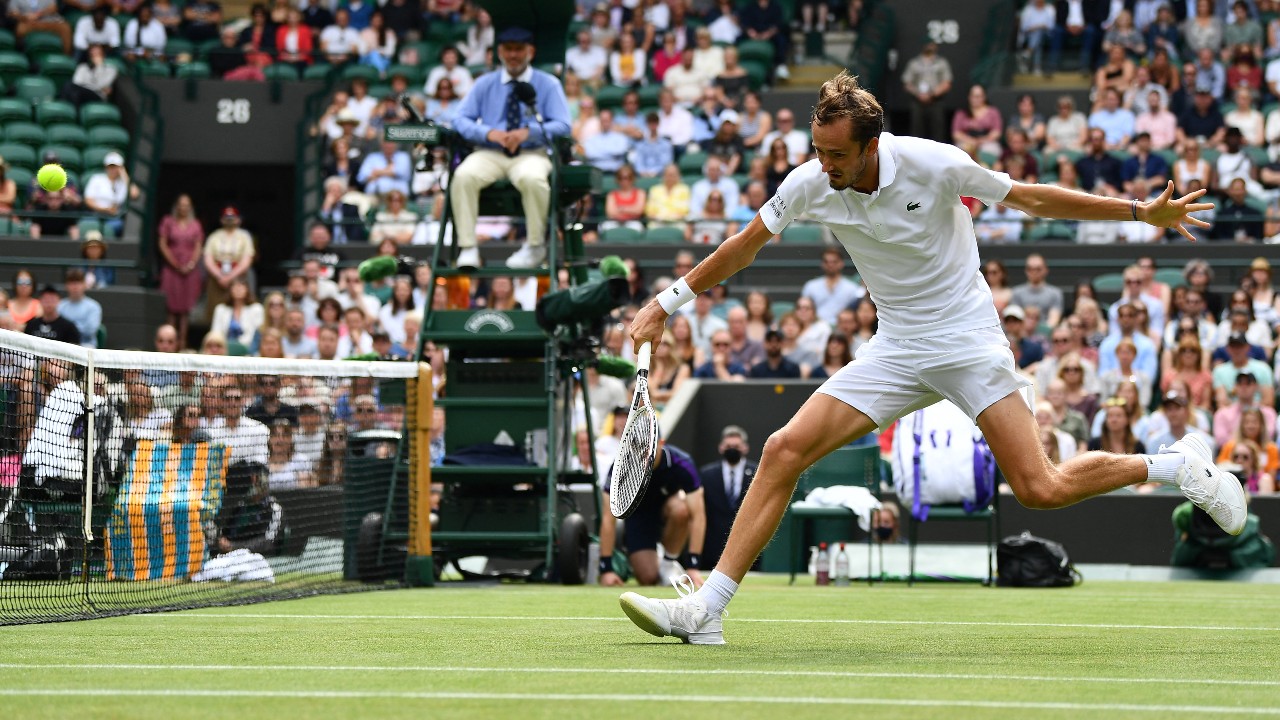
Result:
x=135 y=482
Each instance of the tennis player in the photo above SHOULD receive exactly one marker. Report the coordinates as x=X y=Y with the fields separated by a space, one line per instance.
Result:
x=894 y=203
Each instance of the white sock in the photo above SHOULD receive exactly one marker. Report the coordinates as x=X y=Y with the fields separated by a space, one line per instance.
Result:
x=1163 y=468
x=717 y=591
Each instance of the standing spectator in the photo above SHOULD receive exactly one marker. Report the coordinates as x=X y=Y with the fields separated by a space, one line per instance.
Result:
x=449 y=67
x=92 y=81
x=83 y=311
x=180 y=241
x=1035 y=291
x=240 y=316
x=106 y=193
x=927 y=79
x=49 y=324
x=201 y=20
x=228 y=256
x=39 y=15
x=764 y=20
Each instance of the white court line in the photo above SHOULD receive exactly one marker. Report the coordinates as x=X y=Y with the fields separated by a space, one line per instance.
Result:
x=805 y=621
x=661 y=698
x=638 y=671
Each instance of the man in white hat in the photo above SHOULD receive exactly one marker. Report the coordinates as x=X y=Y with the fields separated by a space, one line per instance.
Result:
x=106 y=193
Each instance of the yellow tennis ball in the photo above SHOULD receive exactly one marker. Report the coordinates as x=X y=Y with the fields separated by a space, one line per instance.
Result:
x=52 y=177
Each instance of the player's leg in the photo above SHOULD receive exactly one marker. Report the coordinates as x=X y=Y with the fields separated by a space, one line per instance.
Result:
x=640 y=533
x=481 y=169
x=822 y=424
x=1188 y=464
x=1010 y=430
x=644 y=565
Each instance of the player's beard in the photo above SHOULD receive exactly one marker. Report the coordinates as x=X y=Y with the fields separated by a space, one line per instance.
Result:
x=849 y=179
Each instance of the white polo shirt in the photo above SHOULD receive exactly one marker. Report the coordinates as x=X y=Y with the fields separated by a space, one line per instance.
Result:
x=912 y=240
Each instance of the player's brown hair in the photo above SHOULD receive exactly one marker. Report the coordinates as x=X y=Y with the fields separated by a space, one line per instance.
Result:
x=842 y=97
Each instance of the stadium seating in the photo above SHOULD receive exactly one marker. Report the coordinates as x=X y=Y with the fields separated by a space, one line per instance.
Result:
x=93 y=114
x=53 y=111
x=280 y=72
x=95 y=154
x=319 y=71
x=195 y=69
x=617 y=235
x=19 y=155
x=39 y=44
x=109 y=135
x=34 y=89
x=68 y=156
x=67 y=134
x=13 y=65
x=27 y=133
x=799 y=233
x=664 y=235
x=58 y=68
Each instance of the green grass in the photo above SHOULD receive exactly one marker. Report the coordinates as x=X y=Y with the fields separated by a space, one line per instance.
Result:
x=1109 y=650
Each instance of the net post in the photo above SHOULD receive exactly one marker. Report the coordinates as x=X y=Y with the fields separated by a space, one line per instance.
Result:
x=90 y=446
x=419 y=568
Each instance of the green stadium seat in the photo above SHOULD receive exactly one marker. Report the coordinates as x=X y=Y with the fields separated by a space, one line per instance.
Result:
x=18 y=155
x=410 y=73
x=96 y=113
x=108 y=135
x=800 y=234
x=426 y=53
x=649 y=96
x=281 y=72
x=691 y=163
x=319 y=71
x=13 y=227
x=51 y=112
x=34 y=89
x=58 y=68
x=91 y=223
x=27 y=133
x=380 y=91
x=11 y=109
x=7 y=40
x=195 y=69
x=64 y=134
x=1108 y=282
x=353 y=71
x=757 y=72
x=68 y=156
x=609 y=96
x=176 y=47
x=95 y=154
x=756 y=51
x=21 y=177
x=1172 y=277
x=621 y=236
x=73 y=178
x=155 y=68
x=648 y=183
x=13 y=65
x=40 y=43
x=664 y=235
x=204 y=48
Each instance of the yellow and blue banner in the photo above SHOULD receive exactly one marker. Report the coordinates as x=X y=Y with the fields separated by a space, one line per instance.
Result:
x=168 y=495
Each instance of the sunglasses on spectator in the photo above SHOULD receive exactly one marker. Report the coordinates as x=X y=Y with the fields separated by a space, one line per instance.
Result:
x=1073 y=368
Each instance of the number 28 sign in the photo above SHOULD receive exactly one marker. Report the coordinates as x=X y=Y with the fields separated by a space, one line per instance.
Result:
x=943 y=32
x=235 y=111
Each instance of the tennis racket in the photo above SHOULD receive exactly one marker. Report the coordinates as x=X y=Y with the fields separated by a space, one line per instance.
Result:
x=633 y=468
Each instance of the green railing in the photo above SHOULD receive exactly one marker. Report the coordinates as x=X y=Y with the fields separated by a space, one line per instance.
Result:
x=308 y=165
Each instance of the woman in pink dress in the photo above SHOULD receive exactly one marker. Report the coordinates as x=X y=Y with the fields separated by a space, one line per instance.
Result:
x=181 y=244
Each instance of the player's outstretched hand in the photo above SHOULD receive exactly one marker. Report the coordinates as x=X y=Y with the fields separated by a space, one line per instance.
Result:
x=611 y=579
x=648 y=325
x=1168 y=212
x=695 y=576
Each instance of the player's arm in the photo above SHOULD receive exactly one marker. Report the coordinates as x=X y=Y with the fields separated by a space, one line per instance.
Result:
x=734 y=254
x=1165 y=211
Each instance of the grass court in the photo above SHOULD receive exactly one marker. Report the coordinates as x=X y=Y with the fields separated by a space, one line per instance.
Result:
x=1099 y=650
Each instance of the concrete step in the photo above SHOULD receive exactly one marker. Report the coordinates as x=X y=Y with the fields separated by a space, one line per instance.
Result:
x=810 y=76
x=1065 y=80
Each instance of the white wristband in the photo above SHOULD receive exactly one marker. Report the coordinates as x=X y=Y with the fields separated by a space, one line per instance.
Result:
x=673 y=297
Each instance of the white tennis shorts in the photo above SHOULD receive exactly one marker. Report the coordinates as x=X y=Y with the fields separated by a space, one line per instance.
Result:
x=890 y=378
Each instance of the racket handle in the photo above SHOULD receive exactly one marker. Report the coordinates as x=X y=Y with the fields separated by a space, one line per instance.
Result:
x=642 y=356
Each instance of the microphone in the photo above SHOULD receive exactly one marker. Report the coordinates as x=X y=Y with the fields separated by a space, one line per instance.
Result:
x=526 y=94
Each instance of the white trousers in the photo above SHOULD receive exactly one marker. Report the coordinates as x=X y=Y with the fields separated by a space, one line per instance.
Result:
x=530 y=172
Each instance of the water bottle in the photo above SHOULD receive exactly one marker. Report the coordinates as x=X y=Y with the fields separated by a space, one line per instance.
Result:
x=824 y=565
x=842 y=567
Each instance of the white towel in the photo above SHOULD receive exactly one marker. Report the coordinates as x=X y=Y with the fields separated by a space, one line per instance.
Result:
x=858 y=499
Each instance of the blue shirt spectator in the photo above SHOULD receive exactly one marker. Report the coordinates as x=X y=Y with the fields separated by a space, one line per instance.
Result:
x=652 y=153
x=382 y=172
x=1117 y=122
x=608 y=148
x=84 y=312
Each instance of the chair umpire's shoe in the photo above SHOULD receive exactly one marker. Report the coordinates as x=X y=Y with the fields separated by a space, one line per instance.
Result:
x=468 y=259
x=1214 y=491
x=685 y=617
x=527 y=257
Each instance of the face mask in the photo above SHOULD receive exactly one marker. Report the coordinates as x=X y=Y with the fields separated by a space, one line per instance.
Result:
x=884 y=532
x=732 y=455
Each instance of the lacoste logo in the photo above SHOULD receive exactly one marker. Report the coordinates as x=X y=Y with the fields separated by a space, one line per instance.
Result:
x=675 y=291
x=912 y=206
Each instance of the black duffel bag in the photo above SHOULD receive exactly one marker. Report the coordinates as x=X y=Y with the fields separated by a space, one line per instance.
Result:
x=1028 y=561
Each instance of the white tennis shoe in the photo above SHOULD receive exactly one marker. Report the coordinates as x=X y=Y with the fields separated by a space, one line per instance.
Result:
x=685 y=617
x=1214 y=491
x=468 y=259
